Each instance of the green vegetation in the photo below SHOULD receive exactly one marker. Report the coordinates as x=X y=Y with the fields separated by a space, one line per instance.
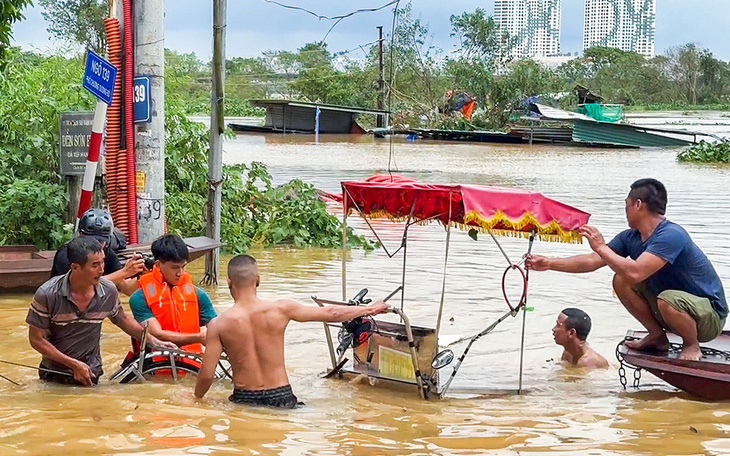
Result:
x=77 y=21
x=686 y=77
x=254 y=210
x=11 y=11
x=33 y=201
x=34 y=198
x=705 y=152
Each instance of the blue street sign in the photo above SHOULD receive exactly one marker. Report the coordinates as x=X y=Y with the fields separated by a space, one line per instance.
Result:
x=141 y=98
x=99 y=77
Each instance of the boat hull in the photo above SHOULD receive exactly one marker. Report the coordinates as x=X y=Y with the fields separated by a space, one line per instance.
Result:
x=24 y=268
x=708 y=379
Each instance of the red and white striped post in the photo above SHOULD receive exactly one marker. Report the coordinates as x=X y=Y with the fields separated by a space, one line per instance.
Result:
x=92 y=159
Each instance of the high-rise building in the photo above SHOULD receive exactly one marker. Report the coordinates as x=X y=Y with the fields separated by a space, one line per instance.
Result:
x=624 y=24
x=533 y=26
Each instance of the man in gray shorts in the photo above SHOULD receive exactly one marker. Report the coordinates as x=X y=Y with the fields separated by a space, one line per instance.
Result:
x=662 y=278
x=65 y=317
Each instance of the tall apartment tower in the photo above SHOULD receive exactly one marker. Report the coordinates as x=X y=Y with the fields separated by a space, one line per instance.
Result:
x=533 y=26
x=624 y=24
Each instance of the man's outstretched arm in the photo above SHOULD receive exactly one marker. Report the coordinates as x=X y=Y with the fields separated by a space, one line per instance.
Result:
x=213 y=351
x=301 y=313
x=588 y=262
x=636 y=270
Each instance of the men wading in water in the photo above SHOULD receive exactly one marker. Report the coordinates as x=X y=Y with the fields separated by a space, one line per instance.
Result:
x=252 y=334
x=667 y=282
x=571 y=331
x=65 y=316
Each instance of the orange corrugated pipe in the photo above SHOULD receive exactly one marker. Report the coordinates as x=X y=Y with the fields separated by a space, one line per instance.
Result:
x=129 y=122
x=116 y=194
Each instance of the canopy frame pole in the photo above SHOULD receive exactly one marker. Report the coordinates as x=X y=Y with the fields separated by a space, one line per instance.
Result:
x=524 y=315
x=375 y=233
x=446 y=260
x=344 y=251
x=501 y=249
x=404 y=244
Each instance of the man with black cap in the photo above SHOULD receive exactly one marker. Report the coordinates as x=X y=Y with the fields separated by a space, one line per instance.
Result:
x=98 y=224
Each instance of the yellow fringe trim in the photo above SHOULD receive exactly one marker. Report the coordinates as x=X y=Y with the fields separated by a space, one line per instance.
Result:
x=552 y=232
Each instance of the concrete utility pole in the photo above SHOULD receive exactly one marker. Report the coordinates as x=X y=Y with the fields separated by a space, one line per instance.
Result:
x=149 y=155
x=215 y=159
x=381 y=81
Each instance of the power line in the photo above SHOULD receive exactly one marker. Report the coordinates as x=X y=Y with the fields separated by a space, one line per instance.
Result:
x=333 y=18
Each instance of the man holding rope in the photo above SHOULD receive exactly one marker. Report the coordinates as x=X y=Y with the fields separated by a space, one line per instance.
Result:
x=65 y=317
x=662 y=278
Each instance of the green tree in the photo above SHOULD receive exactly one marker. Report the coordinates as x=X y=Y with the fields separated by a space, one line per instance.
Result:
x=77 y=21
x=684 y=66
x=11 y=11
x=480 y=38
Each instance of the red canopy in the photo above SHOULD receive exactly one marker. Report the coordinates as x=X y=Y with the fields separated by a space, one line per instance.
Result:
x=506 y=211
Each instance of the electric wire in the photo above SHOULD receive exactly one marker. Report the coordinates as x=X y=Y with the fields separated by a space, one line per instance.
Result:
x=391 y=84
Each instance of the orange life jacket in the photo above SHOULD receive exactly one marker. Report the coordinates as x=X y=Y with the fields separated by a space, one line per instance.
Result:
x=175 y=308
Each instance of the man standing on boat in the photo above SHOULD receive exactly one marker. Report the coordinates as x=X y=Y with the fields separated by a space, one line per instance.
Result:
x=65 y=317
x=570 y=332
x=252 y=334
x=173 y=307
x=97 y=223
x=662 y=278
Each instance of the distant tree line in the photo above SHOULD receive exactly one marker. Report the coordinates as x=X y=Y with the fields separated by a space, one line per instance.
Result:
x=418 y=74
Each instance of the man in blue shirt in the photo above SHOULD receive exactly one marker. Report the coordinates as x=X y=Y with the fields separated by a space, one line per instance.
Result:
x=662 y=278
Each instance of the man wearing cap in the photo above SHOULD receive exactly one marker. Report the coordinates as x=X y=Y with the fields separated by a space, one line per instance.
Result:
x=98 y=224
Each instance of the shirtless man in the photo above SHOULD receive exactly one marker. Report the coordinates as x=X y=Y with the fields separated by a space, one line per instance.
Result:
x=571 y=331
x=252 y=334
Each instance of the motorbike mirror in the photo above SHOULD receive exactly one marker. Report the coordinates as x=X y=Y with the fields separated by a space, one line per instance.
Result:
x=442 y=359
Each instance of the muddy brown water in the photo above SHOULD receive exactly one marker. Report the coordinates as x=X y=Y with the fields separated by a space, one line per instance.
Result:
x=563 y=410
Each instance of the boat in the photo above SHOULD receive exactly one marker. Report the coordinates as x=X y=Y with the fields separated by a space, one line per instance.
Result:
x=25 y=268
x=402 y=356
x=708 y=378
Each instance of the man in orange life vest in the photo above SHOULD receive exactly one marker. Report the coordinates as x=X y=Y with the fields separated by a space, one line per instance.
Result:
x=174 y=308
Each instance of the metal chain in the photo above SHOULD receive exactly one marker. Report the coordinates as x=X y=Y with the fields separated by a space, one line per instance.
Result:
x=623 y=365
x=637 y=377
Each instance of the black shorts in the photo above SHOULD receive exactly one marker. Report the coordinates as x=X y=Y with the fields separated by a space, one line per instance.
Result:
x=281 y=397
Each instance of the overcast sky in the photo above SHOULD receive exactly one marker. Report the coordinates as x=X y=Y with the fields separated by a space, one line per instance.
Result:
x=255 y=26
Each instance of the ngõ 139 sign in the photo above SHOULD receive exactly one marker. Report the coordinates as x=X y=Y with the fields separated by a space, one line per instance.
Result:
x=99 y=77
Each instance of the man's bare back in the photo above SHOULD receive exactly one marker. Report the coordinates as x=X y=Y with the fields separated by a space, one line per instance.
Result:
x=591 y=359
x=252 y=335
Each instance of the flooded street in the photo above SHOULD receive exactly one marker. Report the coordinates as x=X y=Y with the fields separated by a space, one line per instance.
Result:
x=562 y=411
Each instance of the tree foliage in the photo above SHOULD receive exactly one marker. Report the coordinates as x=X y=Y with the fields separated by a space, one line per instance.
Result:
x=35 y=91
x=11 y=11
x=77 y=21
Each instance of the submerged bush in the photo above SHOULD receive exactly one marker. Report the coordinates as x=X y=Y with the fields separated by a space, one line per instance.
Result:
x=706 y=152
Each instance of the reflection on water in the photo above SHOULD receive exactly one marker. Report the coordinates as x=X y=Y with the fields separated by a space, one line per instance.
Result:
x=562 y=410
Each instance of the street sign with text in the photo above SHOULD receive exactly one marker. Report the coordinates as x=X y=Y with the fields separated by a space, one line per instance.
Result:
x=141 y=98
x=99 y=77
x=75 y=135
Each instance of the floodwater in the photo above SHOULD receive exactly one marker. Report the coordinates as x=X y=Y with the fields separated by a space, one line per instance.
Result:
x=562 y=410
